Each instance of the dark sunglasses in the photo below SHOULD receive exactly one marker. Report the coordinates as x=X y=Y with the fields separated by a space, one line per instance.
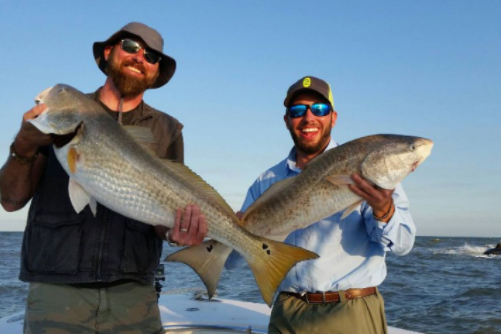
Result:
x=317 y=109
x=131 y=46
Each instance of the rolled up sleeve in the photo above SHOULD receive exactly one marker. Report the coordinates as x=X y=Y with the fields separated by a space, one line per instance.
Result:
x=399 y=233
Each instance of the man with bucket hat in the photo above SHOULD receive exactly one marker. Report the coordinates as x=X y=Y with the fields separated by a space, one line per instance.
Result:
x=95 y=274
x=336 y=293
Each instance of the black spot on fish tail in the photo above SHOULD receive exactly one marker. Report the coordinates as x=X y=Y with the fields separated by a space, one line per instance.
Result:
x=265 y=246
x=268 y=251
x=209 y=249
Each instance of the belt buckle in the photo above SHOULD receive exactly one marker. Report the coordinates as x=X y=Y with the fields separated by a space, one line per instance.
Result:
x=304 y=294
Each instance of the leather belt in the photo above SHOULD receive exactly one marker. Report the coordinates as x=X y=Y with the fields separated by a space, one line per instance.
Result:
x=331 y=296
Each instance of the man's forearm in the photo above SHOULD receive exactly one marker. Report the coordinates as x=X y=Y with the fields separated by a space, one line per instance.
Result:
x=17 y=182
x=21 y=173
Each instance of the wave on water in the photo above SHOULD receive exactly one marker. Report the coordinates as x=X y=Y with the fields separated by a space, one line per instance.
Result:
x=466 y=249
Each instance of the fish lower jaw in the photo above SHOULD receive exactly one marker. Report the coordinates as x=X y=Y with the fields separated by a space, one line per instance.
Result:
x=42 y=127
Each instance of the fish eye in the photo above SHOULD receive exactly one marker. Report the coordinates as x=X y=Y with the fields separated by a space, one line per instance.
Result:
x=413 y=147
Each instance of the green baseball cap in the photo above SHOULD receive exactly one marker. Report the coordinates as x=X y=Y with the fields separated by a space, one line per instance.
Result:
x=313 y=84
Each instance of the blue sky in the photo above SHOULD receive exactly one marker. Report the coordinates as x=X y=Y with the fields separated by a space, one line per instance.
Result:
x=424 y=68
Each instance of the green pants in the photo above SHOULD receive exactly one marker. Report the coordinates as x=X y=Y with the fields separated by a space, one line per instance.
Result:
x=365 y=315
x=126 y=308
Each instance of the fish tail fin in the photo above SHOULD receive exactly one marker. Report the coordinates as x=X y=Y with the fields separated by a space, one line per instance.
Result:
x=271 y=268
x=206 y=259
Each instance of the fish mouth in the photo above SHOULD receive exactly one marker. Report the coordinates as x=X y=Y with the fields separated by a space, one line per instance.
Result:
x=47 y=127
x=415 y=165
x=424 y=147
x=40 y=97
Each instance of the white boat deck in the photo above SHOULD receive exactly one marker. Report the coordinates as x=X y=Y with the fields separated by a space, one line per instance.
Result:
x=183 y=314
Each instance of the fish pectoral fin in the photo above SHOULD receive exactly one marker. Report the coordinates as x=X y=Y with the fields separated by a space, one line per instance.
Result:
x=79 y=196
x=340 y=180
x=350 y=209
x=273 y=264
x=207 y=259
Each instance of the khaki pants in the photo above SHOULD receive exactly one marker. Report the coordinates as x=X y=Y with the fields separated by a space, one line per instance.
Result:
x=127 y=308
x=365 y=315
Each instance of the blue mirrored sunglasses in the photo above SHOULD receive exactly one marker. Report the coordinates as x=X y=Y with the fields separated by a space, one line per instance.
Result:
x=131 y=46
x=317 y=109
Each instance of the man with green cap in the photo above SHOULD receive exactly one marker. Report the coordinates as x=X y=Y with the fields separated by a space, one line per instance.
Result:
x=336 y=293
x=95 y=274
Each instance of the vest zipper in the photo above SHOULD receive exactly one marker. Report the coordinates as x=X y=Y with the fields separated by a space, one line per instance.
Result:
x=101 y=244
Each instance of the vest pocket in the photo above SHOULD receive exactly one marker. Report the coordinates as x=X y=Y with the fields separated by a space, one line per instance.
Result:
x=54 y=245
x=142 y=248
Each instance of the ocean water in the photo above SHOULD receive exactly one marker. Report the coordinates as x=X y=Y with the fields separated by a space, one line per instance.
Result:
x=443 y=286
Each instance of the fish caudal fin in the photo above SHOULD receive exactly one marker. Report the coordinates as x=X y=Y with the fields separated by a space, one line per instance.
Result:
x=277 y=259
x=207 y=259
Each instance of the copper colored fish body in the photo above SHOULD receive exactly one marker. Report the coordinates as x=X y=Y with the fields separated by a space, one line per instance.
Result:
x=108 y=165
x=321 y=190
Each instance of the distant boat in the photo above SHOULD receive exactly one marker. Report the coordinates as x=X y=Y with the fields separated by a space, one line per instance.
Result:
x=188 y=313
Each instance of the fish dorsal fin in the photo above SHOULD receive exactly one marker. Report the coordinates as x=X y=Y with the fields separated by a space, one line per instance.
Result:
x=141 y=135
x=273 y=190
x=312 y=162
x=187 y=174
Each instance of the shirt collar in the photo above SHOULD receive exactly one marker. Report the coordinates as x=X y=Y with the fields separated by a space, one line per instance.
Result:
x=290 y=161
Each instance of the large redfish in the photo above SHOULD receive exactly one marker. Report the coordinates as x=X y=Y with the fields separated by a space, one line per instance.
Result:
x=107 y=165
x=321 y=190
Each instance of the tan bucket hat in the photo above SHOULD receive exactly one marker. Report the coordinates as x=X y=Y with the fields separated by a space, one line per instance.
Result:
x=153 y=41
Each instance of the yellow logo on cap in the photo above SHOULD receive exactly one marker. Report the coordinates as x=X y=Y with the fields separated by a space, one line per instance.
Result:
x=331 y=98
x=306 y=82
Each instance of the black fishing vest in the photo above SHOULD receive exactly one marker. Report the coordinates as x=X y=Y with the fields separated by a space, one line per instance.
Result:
x=61 y=246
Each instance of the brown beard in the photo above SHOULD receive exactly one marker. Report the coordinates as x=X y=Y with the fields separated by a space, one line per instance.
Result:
x=308 y=148
x=128 y=86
